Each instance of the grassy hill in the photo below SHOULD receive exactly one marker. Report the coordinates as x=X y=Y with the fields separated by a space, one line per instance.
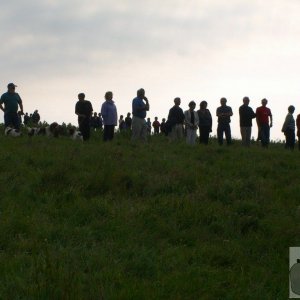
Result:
x=155 y=221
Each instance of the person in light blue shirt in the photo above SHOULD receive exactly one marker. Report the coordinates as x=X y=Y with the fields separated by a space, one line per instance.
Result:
x=140 y=106
x=110 y=117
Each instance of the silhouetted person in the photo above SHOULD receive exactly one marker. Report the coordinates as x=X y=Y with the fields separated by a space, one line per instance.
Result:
x=35 y=117
x=83 y=110
x=95 y=121
x=288 y=129
x=122 y=124
x=128 y=121
x=176 y=120
x=224 y=113
x=140 y=106
x=26 y=119
x=263 y=114
x=191 y=123
x=205 y=123
x=246 y=116
x=148 y=126
x=298 y=130
x=110 y=117
x=156 y=125
x=100 y=121
x=163 y=126
x=11 y=101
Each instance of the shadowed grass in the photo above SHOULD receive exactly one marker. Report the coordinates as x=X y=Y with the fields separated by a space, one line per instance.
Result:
x=155 y=221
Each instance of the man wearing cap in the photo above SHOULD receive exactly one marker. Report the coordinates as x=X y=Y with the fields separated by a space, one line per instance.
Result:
x=11 y=101
x=263 y=114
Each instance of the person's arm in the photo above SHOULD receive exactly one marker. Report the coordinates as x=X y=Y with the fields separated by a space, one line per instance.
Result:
x=21 y=105
x=77 y=112
x=285 y=124
x=147 y=107
x=186 y=116
x=1 y=107
x=210 y=120
x=271 y=119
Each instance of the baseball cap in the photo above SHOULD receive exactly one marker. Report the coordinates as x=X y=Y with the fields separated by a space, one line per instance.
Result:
x=11 y=84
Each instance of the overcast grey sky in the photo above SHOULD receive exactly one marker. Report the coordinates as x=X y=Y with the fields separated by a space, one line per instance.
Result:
x=197 y=50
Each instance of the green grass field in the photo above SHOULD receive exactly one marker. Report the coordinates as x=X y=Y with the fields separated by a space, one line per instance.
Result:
x=155 y=221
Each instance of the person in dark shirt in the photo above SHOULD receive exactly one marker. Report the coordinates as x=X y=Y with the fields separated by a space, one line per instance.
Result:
x=224 y=113
x=156 y=125
x=163 y=126
x=122 y=124
x=83 y=110
x=246 y=116
x=128 y=121
x=175 y=121
x=26 y=119
x=36 y=117
x=205 y=123
x=95 y=121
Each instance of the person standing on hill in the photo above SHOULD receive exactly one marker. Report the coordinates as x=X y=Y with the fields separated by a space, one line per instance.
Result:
x=11 y=101
x=163 y=126
x=246 y=116
x=156 y=125
x=205 y=123
x=191 y=123
x=224 y=113
x=298 y=130
x=288 y=129
x=140 y=106
x=263 y=114
x=128 y=121
x=110 y=117
x=122 y=124
x=36 y=117
x=176 y=120
x=84 y=110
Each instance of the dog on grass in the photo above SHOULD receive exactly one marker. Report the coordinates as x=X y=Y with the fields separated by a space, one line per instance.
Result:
x=53 y=130
x=9 y=131
x=75 y=134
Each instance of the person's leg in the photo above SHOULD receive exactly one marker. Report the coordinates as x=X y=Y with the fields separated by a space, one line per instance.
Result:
x=111 y=132
x=144 y=130
x=106 y=133
x=293 y=140
x=188 y=136
x=193 y=136
x=248 y=136
x=227 y=130
x=179 y=131
x=136 y=129
x=15 y=121
x=268 y=135
x=243 y=134
x=220 y=134
x=263 y=135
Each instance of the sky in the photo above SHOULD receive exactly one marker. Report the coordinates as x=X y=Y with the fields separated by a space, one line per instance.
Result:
x=195 y=50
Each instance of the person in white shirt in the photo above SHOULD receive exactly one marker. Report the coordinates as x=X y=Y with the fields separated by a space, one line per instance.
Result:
x=191 y=123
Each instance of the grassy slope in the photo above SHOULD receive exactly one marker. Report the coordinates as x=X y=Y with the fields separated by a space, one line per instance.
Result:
x=156 y=221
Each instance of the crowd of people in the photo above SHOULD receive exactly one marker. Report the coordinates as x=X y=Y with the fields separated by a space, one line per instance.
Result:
x=178 y=125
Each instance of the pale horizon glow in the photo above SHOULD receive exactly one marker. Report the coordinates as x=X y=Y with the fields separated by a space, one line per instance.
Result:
x=196 y=50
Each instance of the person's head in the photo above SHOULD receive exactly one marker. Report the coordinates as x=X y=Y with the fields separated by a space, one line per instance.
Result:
x=246 y=100
x=108 y=96
x=264 y=102
x=81 y=96
x=223 y=101
x=11 y=87
x=148 y=119
x=36 y=111
x=177 y=101
x=203 y=105
x=26 y=114
x=163 y=120
x=99 y=114
x=155 y=118
x=121 y=117
x=95 y=114
x=291 y=109
x=140 y=93
x=129 y=114
x=192 y=105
